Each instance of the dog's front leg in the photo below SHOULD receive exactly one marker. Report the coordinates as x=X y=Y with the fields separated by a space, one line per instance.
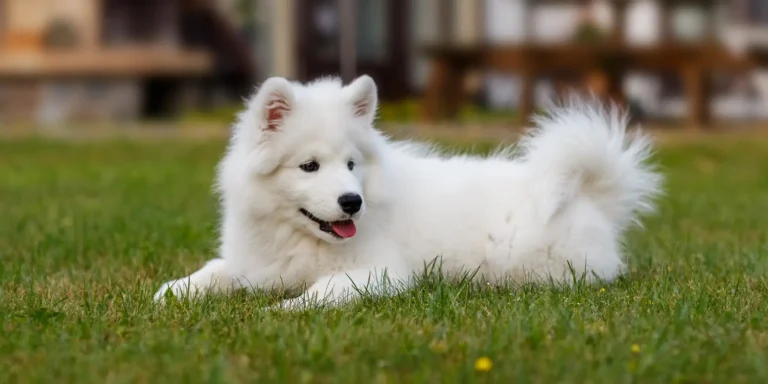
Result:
x=214 y=277
x=343 y=287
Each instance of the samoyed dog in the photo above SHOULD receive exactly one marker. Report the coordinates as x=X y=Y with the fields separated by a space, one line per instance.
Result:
x=316 y=200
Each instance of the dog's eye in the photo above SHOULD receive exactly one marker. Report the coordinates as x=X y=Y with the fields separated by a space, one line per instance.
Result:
x=351 y=165
x=310 y=166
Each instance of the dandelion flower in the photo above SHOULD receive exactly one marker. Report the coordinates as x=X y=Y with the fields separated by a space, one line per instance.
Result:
x=635 y=348
x=483 y=364
x=602 y=289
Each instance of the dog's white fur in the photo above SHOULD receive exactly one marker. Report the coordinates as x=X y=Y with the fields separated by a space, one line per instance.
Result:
x=556 y=205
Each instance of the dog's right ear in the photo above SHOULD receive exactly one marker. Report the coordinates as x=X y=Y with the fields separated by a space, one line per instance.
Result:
x=273 y=103
x=267 y=111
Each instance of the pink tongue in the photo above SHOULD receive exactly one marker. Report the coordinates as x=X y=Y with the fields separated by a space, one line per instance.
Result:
x=344 y=229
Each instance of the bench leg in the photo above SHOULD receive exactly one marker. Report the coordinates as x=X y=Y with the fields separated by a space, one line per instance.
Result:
x=444 y=92
x=697 y=93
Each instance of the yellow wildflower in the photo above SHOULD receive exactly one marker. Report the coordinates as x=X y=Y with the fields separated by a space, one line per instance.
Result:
x=635 y=348
x=483 y=364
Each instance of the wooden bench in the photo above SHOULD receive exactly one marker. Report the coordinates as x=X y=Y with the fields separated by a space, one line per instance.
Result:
x=692 y=62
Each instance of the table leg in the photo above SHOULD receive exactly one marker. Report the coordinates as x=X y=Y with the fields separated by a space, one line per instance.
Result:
x=527 y=95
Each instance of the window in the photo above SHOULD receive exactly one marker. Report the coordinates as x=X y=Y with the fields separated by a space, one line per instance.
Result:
x=371 y=37
x=372 y=29
x=139 y=21
x=757 y=12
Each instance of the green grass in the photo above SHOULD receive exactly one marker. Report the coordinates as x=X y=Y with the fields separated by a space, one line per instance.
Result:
x=88 y=231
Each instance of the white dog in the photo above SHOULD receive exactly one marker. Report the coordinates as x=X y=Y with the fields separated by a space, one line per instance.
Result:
x=313 y=196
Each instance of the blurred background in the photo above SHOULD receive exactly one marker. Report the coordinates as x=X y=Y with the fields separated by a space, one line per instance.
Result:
x=479 y=61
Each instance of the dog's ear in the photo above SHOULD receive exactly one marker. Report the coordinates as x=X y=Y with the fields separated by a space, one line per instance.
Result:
x=363 y=96
x=273 y=102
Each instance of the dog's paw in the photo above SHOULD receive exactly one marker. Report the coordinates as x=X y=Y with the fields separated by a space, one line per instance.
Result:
x=179 y=289
x=301 y=303
x=160 y=294
x=291 y=304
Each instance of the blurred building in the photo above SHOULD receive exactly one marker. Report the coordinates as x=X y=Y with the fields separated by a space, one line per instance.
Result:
x=112 y=60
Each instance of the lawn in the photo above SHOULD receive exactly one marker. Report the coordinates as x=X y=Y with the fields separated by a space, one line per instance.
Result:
x=89 y=230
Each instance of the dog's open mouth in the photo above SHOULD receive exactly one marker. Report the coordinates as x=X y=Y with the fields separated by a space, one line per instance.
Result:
x=341 y=229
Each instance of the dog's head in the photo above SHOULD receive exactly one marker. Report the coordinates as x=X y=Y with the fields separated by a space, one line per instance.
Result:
x=309 y=150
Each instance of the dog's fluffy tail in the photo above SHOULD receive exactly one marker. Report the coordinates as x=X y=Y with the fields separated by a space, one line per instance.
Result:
x=582 y=149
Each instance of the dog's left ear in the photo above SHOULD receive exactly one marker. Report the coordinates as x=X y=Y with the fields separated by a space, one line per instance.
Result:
x=363 y=97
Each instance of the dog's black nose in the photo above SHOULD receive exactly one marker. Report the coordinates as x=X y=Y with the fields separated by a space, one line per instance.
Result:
x=350 y=203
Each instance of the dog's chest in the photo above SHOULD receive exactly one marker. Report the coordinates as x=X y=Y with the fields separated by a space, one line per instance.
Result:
x=306 y=263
